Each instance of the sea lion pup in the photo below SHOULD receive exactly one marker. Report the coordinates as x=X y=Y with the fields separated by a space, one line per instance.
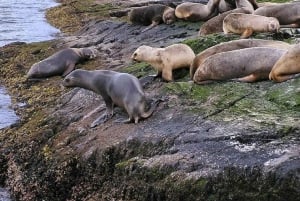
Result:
x=197 y=11
x=246 y=24
x=152 y=15
x=288 y=14
x=248 y=65
x=234 y=45
x=215 y=24
x=287 y=66
x=121 y=89
x=60 y=63
x=164 y=60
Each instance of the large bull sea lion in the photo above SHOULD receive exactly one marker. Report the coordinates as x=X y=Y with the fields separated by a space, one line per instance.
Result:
x=234 y=45
x=248 y=65
x=60 y=63
x=121 y=89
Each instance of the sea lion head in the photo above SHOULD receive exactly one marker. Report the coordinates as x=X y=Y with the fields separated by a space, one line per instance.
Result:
x=72 y=79
x=140 y=53
x=88 y=53
x=169 y=16
x=273 y=25
x=34 y=71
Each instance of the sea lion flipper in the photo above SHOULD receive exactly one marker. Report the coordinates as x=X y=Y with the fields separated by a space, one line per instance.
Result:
x=69 y=69
x=154 y=23
x=248 y=32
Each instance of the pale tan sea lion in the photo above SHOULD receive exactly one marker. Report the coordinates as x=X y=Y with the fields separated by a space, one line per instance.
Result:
x=152 y=15
x=121 y=89
x=248 y=65
x=164 y=60
x=215 y=24
x=287 y=66
x=197 y=11
x=247 y=24
x=288 y=14
x=60 y=63
x=234 y=45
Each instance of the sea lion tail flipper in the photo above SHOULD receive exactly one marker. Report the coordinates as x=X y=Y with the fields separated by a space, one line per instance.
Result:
x=119 y=13
x=147 y=114
x=248 y=32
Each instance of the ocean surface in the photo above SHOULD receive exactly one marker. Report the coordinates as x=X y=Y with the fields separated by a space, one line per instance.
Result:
x=21 y=21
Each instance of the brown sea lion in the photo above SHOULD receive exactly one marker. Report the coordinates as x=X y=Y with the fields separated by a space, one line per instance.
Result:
x=288 y=14
x=60 y=63
x=248 y=65
x=121 y=89
x=152 y=15
x=197 y=11
x=234 y=45
x=287 y=66
x=225 y=6
x=164 y=60
x=215 y=24
x=247 y=24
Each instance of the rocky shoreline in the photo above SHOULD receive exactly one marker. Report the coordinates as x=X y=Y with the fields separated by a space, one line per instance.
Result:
x=222 y=141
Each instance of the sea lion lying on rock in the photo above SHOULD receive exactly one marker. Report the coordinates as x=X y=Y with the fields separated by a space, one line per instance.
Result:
x=288 y=66
x=246 y=24
x=248 y=65
x=234 y=45
x=197 y=11
x=60 y=63
x=215 y=24
x=121 y=89
x=164 y=60
x=288 y=14
x=152 y=15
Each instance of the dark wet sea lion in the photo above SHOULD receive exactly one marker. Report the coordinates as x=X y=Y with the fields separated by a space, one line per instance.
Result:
x=234 y=45
x=152 y=15
x=60 y=63
x=247 y=24
x=121 y=89
x=248 y=65
x=288 y=66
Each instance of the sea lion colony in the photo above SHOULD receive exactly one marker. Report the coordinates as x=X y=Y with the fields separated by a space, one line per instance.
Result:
x=246 y=60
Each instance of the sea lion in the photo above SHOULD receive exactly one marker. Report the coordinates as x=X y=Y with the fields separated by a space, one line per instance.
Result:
x=248 y=65
x=288 y=14
x=121 y=89
x=60 y=63
x=197 y=11
x=164 y=60
x=215 y=24
x=287 y=66
x=152 y=15
x=234 y=45
x=246 y=24
x=227 y=5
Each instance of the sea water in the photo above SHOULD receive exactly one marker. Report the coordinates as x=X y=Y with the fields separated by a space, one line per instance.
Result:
x=21 y=21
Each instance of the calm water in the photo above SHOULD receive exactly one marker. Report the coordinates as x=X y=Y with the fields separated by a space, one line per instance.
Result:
x=24 y=21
